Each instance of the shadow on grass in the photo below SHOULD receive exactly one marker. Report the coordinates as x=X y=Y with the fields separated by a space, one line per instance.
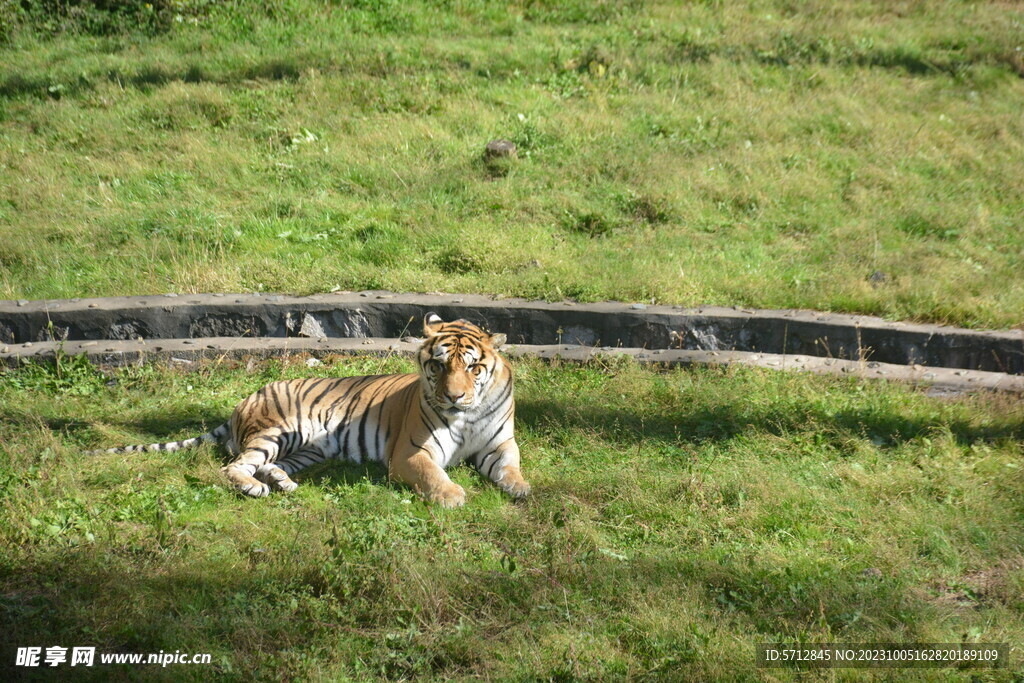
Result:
x=725 y=422
x=164 y=426
x=158 y=423
x=275 y=69
x=56 y=86
x=621 y=426
x=19 y=85
x=342 y=473
x=157 y=602
x=146 y=610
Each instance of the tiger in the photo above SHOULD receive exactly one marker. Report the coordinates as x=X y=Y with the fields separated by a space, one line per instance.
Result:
x=457 y=408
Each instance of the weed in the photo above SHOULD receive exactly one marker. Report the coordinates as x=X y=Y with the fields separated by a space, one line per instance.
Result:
x=457 y=261
x=591 y=224
x=650 y=210
x=920 y=226
x=65 y=375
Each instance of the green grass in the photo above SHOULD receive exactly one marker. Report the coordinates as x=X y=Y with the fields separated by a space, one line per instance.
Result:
x=770 y=154
x=678 y=518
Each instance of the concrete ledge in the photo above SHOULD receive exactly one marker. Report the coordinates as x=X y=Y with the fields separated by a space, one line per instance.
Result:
x=188 y=351
x=389 y=315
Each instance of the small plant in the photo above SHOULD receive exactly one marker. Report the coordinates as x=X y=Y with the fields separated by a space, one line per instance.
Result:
x=455 y=260
x=918 y=225
x=109 y=17
x=64 y=375
x=589 y=223
x=528 y=136
x=646 y=208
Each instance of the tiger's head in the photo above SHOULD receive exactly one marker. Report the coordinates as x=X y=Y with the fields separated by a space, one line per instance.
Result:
x=459 y=364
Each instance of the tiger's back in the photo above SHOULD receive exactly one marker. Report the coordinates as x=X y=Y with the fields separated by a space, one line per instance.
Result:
x=307 y=420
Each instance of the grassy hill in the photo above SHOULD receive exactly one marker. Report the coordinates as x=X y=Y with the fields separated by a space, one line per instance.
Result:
x=858 y=157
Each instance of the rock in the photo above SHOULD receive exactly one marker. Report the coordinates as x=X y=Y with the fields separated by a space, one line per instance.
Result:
x=129 y=329
x=311 y=328
x=878 y=278
x=313 y=363
x=227 y=325
x=500 y=149
x=872 y=573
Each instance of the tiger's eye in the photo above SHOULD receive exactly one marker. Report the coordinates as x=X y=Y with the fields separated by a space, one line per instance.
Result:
x=476 y=369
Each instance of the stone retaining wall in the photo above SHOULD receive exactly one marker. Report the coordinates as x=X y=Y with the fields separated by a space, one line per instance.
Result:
x=251 y=321
x=383 y=314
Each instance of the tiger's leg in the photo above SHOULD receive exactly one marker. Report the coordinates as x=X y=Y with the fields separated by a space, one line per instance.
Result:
x=418 y=470
x=258 y=451
x=240 y=473
x=502 y=467
x=277 y=474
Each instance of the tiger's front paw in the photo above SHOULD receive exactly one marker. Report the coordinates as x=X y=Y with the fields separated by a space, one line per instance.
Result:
x=243 y=483
x=519 y=489
x=254 y=488
x=276 y=478
x=450 y=496
x=512 y=483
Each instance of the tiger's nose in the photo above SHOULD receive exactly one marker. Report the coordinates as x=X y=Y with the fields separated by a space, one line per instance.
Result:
x=454 y=398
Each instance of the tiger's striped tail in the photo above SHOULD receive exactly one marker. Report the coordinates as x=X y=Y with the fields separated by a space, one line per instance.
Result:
x=218 y=435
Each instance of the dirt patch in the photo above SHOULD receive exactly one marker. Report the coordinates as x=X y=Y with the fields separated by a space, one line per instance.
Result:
x=999 y=584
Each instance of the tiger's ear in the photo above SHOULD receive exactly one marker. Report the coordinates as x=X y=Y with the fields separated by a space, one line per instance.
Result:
x=432 y=324
x=498 y=340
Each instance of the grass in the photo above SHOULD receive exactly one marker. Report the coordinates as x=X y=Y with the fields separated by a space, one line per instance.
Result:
x=857 y=157
x=678 y=518
x=770 y=153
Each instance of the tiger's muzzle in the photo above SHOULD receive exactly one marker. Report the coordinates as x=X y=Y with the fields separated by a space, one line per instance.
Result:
x=455 y=391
